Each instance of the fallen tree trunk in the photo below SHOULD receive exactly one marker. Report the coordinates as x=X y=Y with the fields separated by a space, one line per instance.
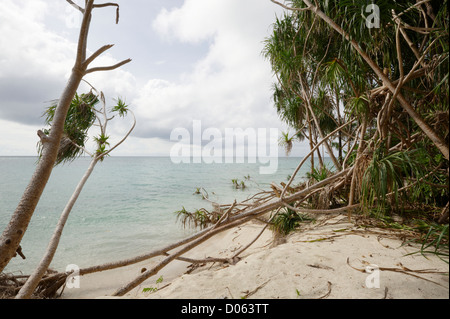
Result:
x=232 y=222
x=52 y=283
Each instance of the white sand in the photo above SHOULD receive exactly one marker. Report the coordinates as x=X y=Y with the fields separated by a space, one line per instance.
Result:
x=312 y=263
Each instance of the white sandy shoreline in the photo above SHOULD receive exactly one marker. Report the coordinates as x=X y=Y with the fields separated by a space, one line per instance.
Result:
x=316 y=262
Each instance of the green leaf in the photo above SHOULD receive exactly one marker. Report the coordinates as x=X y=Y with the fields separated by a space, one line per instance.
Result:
x=121 y=107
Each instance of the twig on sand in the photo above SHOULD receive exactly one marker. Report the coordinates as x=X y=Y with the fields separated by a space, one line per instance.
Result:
x=249 y=293
x=328 y=293
x=406 y=271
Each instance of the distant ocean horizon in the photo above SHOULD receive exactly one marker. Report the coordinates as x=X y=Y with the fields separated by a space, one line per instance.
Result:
x=126 y=208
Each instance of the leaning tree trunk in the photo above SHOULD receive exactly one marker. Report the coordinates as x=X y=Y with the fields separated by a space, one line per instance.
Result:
x=33 y=281
x=15 y=230
x=351 y=198
x=437 y=140
x=18 y=224
x=27 y=289
x=316 y=122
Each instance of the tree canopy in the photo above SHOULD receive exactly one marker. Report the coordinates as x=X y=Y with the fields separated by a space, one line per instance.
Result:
x=332 y=68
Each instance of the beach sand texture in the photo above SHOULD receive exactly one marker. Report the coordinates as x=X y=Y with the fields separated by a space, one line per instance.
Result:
x=327 y=259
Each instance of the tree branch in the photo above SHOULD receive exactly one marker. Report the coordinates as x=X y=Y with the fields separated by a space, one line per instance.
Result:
x=43 y=137
x=312 y=152
x=321 y=211
x=109 y=4
x=76 y=6
x=82 y=38
x=125 y=137
x=96 y=54
x=290 y=8
x=108 y=68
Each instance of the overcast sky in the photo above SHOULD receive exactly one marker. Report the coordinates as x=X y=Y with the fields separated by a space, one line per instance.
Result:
x=193 y=60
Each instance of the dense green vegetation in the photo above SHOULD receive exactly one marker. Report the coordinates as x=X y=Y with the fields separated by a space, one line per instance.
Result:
x=390 y=82
x=375 y=99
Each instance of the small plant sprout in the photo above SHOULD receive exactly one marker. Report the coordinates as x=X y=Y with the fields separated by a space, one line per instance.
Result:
x=121 y=107
x=239 y=184
x=154 y=289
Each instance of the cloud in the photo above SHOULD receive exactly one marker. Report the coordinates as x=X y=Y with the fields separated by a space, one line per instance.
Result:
x=229 y=86
x=17 y=139
x=36 y=59
x=33 y=61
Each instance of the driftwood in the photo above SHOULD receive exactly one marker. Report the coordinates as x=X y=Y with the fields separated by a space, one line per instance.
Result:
x=346 y=179
x=236 y=214
x=231 y=222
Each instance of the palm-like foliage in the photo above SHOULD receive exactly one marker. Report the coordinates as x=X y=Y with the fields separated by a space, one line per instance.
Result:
x=386 y=174
x=80 y=118
x=199 y=218
x=286 y=141
x=323 y=80
x=293 y=60
x=287 y=221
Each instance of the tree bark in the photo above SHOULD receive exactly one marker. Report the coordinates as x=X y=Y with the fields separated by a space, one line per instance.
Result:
x=28 y=288
x=18 y=224
x=356 y=164
x=307 y=99
x=233 y=221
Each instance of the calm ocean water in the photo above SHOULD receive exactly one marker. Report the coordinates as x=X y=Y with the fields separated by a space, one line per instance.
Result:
x=127 y=206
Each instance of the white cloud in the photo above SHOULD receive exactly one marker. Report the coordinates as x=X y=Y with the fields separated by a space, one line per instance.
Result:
x=189 y=23
x=35 y=62
x=230 y=86
x=27 y=45
x=17 y=139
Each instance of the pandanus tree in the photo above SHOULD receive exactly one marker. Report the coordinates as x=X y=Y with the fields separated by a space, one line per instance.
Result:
x=82 y=115
x=51 y=143
x=390 y=79
x=297 y=83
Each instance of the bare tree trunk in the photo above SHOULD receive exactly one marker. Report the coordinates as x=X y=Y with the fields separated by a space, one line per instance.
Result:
x=355 y=166
x=15 y=230
x=33 y=281
x=319 y=155
x=338 y=111
x=311 y=143
x=438 y=141
x=307 y=99
x=27 y=289
x=18 y=224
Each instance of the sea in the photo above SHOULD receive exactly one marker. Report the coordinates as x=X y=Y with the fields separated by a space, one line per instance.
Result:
x=127 y=206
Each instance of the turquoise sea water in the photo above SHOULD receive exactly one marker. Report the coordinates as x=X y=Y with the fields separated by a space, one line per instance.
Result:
x=127 y=206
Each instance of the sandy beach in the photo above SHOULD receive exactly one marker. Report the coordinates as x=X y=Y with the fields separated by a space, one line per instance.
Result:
x=331 y=258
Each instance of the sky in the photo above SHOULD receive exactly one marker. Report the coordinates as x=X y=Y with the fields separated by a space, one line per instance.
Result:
x=193 y=61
